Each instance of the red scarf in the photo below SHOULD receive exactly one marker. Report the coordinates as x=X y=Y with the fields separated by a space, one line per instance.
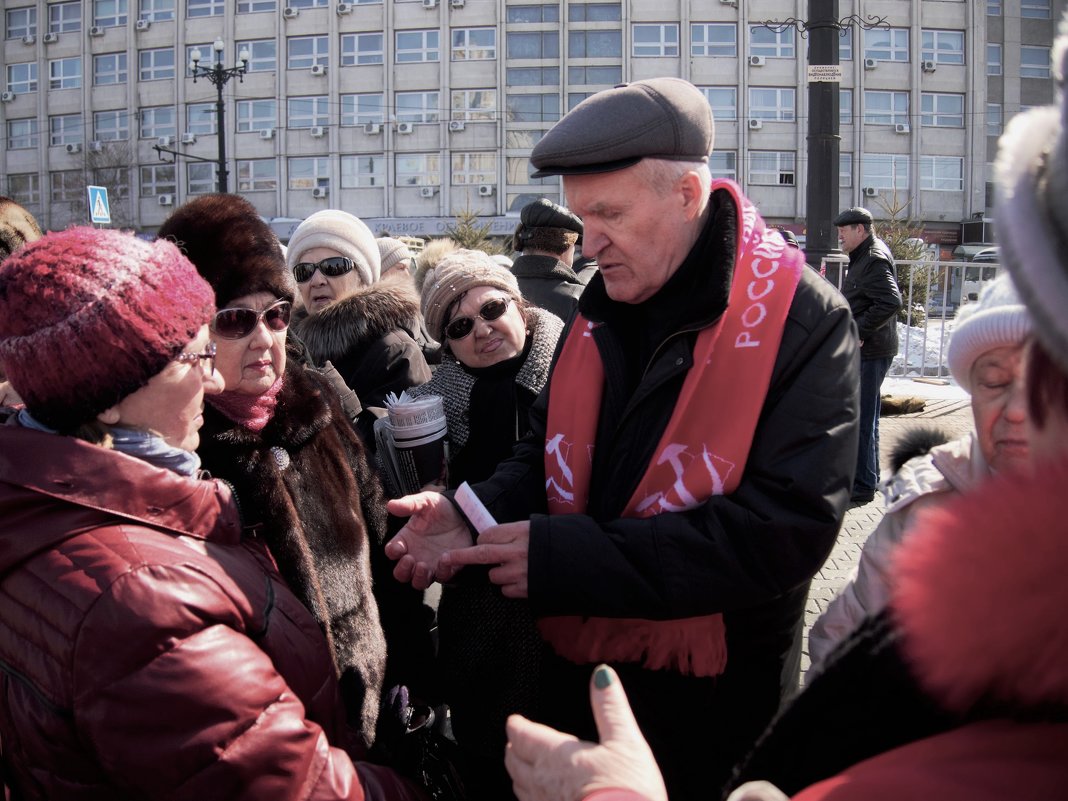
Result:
x=249 y=411
x=699 y=454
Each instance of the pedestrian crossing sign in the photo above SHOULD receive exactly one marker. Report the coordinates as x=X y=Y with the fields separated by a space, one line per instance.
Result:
x=99 y=211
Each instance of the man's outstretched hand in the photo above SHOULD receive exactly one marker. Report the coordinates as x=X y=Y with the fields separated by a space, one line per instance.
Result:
x=434 y=528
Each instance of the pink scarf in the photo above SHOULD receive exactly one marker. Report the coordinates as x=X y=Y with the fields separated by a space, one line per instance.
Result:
x=699 y=454
x=249 y=411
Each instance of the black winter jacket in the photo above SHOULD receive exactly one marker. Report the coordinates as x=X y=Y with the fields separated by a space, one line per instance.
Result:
x=871 y=289
x=549 y=283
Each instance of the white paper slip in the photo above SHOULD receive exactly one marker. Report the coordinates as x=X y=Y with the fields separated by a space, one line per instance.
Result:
x=475 y=510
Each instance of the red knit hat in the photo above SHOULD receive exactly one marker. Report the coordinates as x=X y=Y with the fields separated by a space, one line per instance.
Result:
x=88 y=316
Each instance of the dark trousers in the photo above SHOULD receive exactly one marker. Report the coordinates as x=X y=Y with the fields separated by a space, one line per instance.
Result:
x=872 y=373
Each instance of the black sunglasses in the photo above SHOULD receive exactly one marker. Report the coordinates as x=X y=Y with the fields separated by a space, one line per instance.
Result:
x=333 y=267
x=238 y=323
x=490 y=311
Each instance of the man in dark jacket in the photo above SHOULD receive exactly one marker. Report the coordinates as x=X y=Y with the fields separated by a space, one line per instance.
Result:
x=546 y=237
x=638 y=533
x=870 y=287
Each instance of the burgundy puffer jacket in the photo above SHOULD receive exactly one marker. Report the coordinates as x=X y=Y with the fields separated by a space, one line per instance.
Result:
x=147 y=649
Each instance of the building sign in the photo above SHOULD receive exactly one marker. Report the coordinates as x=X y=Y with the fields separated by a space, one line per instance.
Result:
x=428 y=227
x=824 y=73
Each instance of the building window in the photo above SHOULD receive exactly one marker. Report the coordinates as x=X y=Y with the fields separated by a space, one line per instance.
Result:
x=304 y=52
x=574 y=98
x=845 y=106
x=257 y=115
x=472 y=169
x=257 y=175
x=660 y=40
x=309 y=173
x=845 y=170
x=200 y=177
x=204 y=8
x=594 y=12
x=363 y=108
x=22 y=134
x=109 y=68
x=21 y=22
x=845 y=45
x=724 y=164
x=884 y=171
x=307 y=112
x=887 y=44
x=158 y=179
x=362 y=48
x=115 y=178
x=771 y=104
x=474 y=44
x=713 y=39
x=111 y=126
x=65 y=73
x=1034 y=9
x=24 y=188
x=417 y=169
x=886 y=108
x=363 y=172
x=262 y=54
x=595 y=44
x=544 y=108
x=994 y=119
x=200 y=119
x=771 y=168
x=156 y=64
x=942 y=110
x=942 y=47
x=308 y=3
x=517 y=173
x=535 y=44
x=418 y=106
x=67 y=186
x=723 y=101
x=942 y=173
x=605 y=76
x=474 y=105
x=532 y=76
x=533 y=14
x=417 y=46
x=155 y=10
x=765 y=42
x=993 y=8
x=158 y=121
x=256 y=6
x=110 y=13
x=1034 y=62
x=65 y=129
x=208 y=57
x=22 y=78
x=64 y=17
x=993 y=59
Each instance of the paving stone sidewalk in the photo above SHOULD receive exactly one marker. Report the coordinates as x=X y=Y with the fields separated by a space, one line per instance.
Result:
x=955 y=416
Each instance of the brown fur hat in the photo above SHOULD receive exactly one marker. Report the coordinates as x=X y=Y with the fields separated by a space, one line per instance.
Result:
x=231 y=246
x=17 y=227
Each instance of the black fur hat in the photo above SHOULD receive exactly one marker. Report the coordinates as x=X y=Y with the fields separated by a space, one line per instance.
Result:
x=231 y=246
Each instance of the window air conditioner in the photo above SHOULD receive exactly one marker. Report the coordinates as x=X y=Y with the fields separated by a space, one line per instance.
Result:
x=430 y=3
x=290 y=13
x=165 y=200
x=901 y=127
x=318 y=69
x=756 y=125
x=318 y=131
x=486 y=190
x=757 y=61
x=30 y=39
x=871 y=191
x=343 y=9
x=929 y=66
x=143 y=24
x=96 y=146
x=7 y=97
x=870 y=63
x=74 y=147
x=320 y=191
x=427 y=191
x=266 y=133
x=96 y=30
x=189 y=139
x=456 y=125
x=372 y=128
x=165 y=141
x=405 y=127
x=50 y=38
x=456 y=3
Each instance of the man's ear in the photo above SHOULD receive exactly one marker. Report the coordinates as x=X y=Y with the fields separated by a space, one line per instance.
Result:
x=693 y=196
x=109 y=417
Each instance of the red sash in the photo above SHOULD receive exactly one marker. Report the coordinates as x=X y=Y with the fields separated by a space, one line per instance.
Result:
x=699 y=454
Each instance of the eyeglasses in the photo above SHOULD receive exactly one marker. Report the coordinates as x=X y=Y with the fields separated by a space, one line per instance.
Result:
x=238 y=323
x=491 y=310
x=333 y=267
x=208 y=355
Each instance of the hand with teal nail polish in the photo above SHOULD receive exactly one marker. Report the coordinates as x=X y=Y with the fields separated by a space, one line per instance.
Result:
x=548 y=765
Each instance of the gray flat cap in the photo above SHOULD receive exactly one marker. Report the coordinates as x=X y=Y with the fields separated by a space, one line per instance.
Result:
x=543 y=213
x=854 y=216
x=664 y=118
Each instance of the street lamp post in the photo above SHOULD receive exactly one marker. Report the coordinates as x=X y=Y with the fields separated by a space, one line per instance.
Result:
x=219 y=75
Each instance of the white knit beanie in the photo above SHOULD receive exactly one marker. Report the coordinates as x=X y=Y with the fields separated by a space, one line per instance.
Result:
x=340 y=231
x=392 y=251
x=998 y=319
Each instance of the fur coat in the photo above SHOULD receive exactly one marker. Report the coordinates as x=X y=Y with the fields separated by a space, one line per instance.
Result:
x=305 y=486
x=370 y=336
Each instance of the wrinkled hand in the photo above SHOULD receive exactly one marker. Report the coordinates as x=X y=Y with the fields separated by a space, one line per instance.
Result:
x=547 y=765
x=505 y=546
x=8 y=396
x=434 y=528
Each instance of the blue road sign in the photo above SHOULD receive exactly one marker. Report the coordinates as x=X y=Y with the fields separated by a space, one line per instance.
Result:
x=99 y=210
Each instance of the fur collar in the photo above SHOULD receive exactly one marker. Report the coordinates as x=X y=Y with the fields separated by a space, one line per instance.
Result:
x=366 y=315
x=981 y=595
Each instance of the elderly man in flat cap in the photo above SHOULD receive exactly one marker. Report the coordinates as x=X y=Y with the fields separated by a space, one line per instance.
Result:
x=871 y=289
x=546 y=237
x=691 y=456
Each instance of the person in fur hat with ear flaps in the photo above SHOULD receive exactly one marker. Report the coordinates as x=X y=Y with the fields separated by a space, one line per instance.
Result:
x=363 y=325
x=279 y=435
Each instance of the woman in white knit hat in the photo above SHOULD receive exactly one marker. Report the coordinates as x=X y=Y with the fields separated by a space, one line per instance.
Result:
x=366 y=327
